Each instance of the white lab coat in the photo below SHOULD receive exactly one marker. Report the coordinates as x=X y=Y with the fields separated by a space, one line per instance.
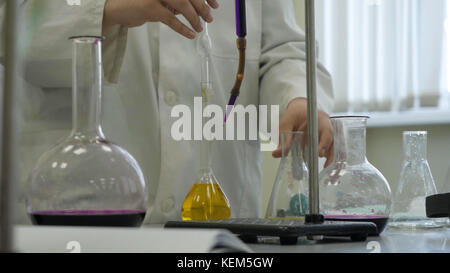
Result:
x=137 y=108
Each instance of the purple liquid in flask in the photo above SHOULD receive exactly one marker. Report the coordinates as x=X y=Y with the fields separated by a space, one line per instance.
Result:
x=379 y=220
x=103 y=218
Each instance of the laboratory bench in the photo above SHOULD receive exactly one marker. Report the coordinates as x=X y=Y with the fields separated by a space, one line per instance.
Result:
x=155 y=239
x=390 y=241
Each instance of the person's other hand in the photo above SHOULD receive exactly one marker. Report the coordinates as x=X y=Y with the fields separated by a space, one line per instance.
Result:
x=133 y=13
x=295 y=119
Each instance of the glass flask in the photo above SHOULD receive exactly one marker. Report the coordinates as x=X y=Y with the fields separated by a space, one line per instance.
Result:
x=289 y=197
x=446 y=189
x=206 y=200
x=352 y=189
x=86 y=180
x=415 y=184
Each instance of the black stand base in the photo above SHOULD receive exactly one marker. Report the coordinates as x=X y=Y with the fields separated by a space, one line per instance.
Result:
x=287 y=230
x=438 y=206
x=314 y=219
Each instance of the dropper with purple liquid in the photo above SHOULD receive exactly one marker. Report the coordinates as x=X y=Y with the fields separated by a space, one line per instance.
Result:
x=241 y=32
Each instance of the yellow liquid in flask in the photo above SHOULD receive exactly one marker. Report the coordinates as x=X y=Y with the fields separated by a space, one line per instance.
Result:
x=205 y=202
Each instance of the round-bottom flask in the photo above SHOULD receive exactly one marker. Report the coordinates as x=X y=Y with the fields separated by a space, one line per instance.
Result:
x=352 y=189
x=87 y=180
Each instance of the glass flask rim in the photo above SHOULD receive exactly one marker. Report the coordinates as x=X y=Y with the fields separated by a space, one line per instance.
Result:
x=415 y=133
x=87 y=38
x=350 y=117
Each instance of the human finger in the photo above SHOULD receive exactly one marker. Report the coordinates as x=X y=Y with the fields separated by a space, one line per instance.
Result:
x=284 y=144
x=185 y=7
x=213 y=3
x=325 y=141
x=284 y=138
x=168 y=18
x=203 y=10
x=329 y=156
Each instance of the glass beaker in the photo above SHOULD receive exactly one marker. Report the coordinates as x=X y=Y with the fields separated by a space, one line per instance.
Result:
x=352 y=189
x=87 y=180
x=415 y=184
x=289 y=197
x=206 y=200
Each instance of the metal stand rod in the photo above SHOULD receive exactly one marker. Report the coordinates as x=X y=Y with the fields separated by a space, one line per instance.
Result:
x=313 y=139
x=7 y=170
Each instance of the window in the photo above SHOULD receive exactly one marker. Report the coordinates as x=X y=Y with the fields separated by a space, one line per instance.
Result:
x=388 y=57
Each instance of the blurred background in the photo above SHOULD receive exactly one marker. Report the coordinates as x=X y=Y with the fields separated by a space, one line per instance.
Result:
x=389 y=60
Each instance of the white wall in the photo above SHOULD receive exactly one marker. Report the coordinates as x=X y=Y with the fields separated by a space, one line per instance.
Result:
x=385 y=151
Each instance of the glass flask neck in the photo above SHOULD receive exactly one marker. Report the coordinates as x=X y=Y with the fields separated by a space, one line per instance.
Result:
x=87 y=87
x=205 y=175
x=204 y=46
x=415 y=146
x=205 y=145
x=350 y=140
x=205 y=156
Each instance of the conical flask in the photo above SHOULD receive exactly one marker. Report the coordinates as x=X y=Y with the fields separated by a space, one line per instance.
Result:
x=289 y=197
x=206 y=200
x=86 y=180
x=446 y=189
x=352 y=189
x=415 y=184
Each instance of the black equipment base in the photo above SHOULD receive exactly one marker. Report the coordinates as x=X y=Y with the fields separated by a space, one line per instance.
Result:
x=438 y=206
x=287 y=230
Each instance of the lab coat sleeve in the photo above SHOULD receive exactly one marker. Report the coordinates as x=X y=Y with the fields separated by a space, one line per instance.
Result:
x=283 y=60
x=47 y=50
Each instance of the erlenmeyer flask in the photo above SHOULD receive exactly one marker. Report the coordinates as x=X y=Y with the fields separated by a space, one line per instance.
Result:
x=289 y=197
x=206 y=199
x=415 y=184
x=446 y=189
x=352 y=189
x=87 y=180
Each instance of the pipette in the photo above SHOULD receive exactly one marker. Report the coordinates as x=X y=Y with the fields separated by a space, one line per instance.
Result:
x=241 y=31
x=204 y=46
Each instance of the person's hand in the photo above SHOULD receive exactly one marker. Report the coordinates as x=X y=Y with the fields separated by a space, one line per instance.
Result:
x=295 y=119
x=133 y=13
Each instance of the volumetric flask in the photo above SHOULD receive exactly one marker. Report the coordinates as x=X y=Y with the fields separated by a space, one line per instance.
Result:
x=415 y=184
x=289 y=197
x=87 y=180
x=205 y=200
x=352 y=189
